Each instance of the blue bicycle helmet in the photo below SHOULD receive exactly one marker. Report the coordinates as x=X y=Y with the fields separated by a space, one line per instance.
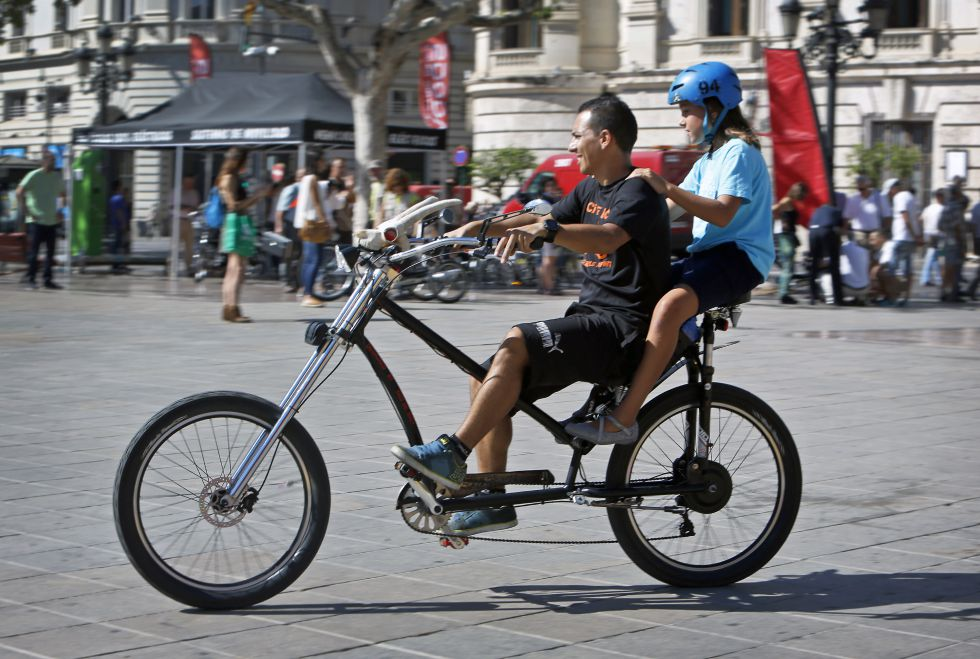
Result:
x=707 y=80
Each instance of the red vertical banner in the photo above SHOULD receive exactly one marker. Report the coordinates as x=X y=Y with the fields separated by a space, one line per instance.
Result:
x=798 y=151
x=434 y=82
x=200 y=57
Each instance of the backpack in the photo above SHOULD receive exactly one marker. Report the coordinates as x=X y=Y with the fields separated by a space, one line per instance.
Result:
x=214 y=213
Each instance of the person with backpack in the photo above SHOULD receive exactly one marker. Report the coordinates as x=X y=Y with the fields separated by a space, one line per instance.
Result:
x=237 y=232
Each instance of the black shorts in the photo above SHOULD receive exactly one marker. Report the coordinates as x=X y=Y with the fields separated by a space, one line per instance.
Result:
x=581 y=347
x=718 y=276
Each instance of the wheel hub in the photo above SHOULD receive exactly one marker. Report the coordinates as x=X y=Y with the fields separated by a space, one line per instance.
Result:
x=213 y=510
x=717 y=492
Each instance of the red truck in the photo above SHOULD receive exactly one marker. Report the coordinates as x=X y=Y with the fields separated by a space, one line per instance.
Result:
x=672 y=164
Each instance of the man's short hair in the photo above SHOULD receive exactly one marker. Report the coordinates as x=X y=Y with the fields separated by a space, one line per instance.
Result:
x=609 y=112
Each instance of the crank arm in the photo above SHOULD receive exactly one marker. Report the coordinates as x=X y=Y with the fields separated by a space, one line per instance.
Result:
x=426 y=495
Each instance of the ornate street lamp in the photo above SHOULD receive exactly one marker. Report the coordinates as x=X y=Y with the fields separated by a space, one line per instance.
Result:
x=113 y=67
x=830 y=43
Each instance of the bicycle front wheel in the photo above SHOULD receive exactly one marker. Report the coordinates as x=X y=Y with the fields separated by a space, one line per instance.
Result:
x=186 y=548
x=753 y=445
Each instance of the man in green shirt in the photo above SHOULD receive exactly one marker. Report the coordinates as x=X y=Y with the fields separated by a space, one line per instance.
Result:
x=38 y=195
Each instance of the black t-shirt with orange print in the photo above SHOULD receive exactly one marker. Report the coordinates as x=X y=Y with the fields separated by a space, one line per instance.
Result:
x=628 y=282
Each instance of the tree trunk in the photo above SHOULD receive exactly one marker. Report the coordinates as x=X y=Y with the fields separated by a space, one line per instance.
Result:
x=370 y=143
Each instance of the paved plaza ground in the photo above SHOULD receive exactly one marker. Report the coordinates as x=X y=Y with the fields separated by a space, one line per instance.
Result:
x=884 y=560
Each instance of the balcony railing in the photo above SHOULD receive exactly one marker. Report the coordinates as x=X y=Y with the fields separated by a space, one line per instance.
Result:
x=516 y=61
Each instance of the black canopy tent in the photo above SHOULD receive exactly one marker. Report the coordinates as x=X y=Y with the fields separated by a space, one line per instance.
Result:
x=250 y=109
x=246 y=109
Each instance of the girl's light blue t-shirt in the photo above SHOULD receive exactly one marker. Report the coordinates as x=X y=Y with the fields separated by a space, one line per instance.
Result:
x=739 y=170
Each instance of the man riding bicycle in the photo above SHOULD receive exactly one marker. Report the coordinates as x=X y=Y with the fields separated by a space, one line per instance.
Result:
x=621 y=226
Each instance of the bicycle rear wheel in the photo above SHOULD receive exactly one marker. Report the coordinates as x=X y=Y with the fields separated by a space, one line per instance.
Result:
x=753 y=445
x=336 y=280
x=453 y=280
x=179 y=542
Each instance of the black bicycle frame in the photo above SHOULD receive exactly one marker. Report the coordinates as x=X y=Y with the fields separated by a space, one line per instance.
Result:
x=447 y=350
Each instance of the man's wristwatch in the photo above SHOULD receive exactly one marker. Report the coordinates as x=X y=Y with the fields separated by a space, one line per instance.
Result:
x=551 y=227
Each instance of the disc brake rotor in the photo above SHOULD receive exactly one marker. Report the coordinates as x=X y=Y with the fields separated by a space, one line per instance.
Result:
x=213 y=516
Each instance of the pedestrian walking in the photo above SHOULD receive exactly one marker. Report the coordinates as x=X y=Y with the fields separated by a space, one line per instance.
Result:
x=826 y=229
x=283 y=225
x=376 y=171
x=38 y=194
x=237 y=232
x=190 y=203
x=342 y=201
x=905 y=232
x=315 y=225
x=953 y=228
x=786 y=218
x=550 y=252
x=119 y=221
x=864 y=211
x=931 y=272
x=396 y=197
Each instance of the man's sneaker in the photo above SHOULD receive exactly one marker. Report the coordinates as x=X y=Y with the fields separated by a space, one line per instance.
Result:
x=471 y=522
x=436 y=460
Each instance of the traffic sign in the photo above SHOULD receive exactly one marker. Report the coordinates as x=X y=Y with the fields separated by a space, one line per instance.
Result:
x=461 y=156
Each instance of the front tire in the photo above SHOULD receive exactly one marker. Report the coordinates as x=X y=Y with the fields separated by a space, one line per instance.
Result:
x=753 y=444
x=180 y=543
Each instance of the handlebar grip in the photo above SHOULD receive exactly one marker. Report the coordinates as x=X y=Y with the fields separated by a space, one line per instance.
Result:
x=537 y=243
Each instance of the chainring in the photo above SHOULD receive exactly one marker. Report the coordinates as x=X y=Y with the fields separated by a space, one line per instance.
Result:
x=416 y=515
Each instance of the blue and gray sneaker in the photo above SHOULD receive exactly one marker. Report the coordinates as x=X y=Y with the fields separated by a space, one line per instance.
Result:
x=471 y=522
x=436 y=460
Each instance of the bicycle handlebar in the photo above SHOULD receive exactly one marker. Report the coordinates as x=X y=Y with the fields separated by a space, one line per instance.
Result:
x=438 y=243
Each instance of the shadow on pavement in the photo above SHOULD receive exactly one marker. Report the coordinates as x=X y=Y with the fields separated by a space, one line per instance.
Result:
x=819 y=592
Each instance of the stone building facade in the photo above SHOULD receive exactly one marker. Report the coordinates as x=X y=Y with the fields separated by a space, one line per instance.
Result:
x=44 y=98
x=922 y=87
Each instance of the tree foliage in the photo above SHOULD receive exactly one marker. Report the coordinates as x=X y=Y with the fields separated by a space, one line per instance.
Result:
x=880 y=160
x=496 y=167
x=366 y=58
x=15 y=12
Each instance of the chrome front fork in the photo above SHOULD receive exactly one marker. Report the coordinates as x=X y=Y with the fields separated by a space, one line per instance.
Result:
x=347 y=319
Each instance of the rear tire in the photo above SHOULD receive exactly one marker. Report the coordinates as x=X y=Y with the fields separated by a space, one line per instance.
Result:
x=185 y=548
x=753 y=444
x=454 y=281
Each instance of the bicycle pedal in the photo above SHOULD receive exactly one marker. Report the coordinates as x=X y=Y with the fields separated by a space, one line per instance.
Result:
x=454 y=542
x=407 y=472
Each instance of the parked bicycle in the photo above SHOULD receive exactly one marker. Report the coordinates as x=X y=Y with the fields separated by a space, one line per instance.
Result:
x=222 y=499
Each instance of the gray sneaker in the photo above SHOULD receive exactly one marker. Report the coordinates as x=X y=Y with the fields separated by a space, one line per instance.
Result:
x=471 y=522
x=436 y=460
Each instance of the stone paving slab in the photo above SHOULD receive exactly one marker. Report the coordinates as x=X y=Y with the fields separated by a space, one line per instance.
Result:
x=884 y=560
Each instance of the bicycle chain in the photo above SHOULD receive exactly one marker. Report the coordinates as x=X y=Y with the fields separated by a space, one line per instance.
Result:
x=521 y=541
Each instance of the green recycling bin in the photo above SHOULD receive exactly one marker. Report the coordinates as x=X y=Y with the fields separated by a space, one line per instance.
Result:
x=88 y=206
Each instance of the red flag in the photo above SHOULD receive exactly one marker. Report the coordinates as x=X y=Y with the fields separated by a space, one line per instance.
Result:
x=200 y=56
x=434 y=82
x=798 y=151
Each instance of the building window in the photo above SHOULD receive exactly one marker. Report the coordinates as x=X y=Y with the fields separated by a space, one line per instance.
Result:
x=122 y=10
x=526 y=34
x=14 y=105
x=728 y=18
x=908 y=13
x=61 y=17
x=58 y=100
x=200 y=9
x=917 y=134
x=399 y=101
